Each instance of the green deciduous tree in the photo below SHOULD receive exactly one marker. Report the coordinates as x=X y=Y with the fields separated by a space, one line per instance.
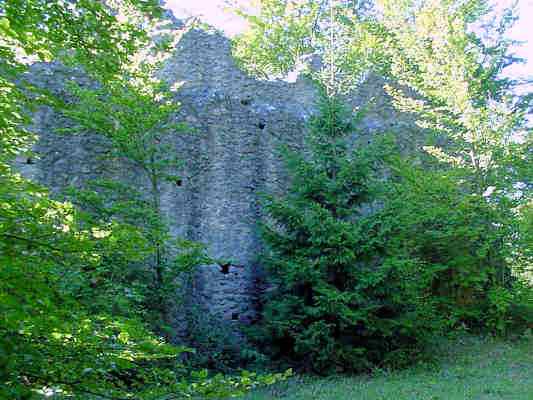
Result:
x=461 y=241
x=292 y=35
x=103 y=36
x=48 y=339
x=136 y=113
x=452 y=56
x=458 y=89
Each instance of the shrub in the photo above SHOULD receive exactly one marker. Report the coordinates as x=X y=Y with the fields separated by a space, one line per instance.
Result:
x=468 y=244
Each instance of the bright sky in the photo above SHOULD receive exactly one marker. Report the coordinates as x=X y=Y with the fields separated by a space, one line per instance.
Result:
x=523 y=30
x=214 y=12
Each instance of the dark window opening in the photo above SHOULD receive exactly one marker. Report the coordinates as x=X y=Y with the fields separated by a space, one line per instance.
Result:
x=224 y=268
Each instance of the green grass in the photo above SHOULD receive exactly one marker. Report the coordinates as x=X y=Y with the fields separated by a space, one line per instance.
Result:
x=469 y=368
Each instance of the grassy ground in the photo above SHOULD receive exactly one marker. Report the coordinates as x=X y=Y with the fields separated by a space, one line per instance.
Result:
x=469 y=368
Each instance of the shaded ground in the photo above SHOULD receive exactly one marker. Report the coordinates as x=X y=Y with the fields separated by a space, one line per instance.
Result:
x=469 y=368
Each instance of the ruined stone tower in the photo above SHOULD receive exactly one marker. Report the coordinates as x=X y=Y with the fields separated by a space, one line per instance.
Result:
x=230 y=158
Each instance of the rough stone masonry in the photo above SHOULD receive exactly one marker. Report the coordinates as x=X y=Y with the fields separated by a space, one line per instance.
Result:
x=230 y=158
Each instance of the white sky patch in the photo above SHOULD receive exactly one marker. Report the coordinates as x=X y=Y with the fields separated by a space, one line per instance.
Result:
x=523 y=31
x=214 y=12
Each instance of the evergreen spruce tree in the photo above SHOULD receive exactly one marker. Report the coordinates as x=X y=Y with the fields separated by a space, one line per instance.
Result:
x=334 y=303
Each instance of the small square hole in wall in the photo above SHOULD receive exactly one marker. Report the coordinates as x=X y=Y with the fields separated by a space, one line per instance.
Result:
x=224 y=268
x=235 y=316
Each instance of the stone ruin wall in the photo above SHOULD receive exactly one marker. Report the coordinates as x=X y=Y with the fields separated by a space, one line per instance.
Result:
x=231 y=158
